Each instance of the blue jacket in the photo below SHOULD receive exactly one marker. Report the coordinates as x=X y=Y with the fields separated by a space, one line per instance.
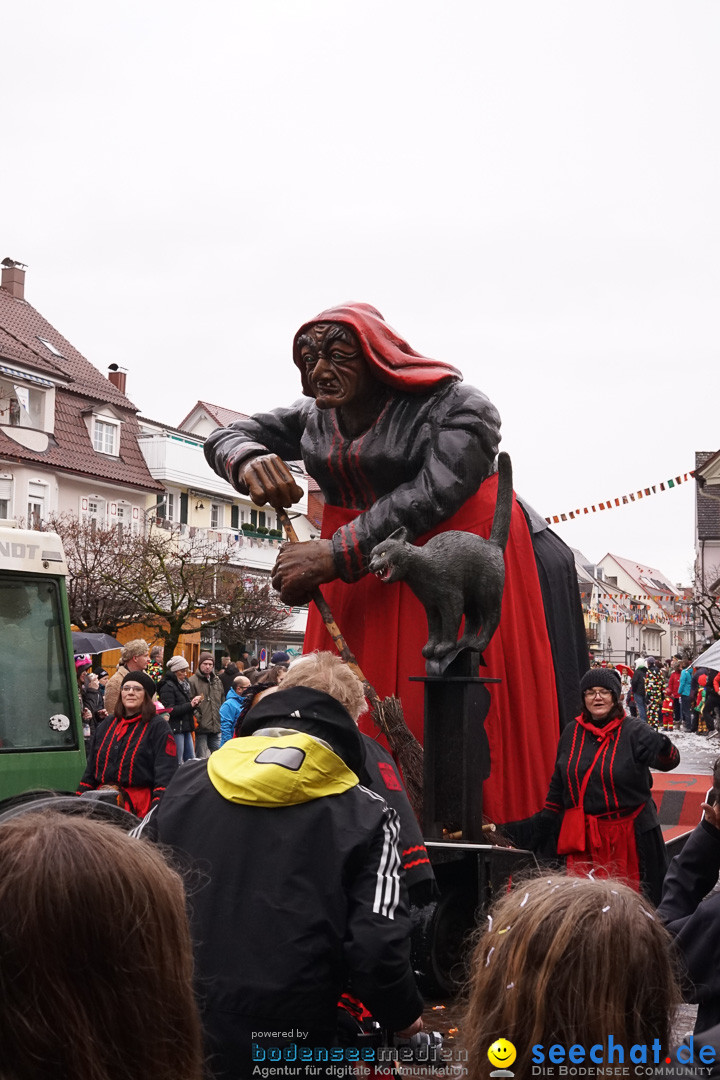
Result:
x=685 y=682
x=229 y=712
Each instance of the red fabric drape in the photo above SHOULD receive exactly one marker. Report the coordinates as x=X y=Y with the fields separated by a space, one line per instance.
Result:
x=386 y=628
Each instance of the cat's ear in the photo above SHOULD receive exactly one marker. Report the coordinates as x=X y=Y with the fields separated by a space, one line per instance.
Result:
x=399 y=534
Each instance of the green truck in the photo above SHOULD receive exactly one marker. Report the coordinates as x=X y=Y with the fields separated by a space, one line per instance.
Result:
x=41 y=740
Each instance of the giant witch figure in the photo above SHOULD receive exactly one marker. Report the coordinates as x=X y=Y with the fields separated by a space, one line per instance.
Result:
x=394 y=438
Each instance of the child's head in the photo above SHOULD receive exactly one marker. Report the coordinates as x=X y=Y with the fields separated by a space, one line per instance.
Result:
x=95 y=955
x=568 y=960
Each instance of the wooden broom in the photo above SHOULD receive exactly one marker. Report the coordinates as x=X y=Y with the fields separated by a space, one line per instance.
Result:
x=387 y=714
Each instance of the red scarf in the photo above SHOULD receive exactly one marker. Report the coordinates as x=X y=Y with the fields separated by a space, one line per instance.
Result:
x=124 y=725
x=601 y=733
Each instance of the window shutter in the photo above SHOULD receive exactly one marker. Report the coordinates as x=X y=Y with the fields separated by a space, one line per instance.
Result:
x=183 y=507
x=235 y=517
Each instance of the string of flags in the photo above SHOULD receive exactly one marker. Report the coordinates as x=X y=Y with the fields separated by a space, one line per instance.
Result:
x=622 y=500
x=634 y=617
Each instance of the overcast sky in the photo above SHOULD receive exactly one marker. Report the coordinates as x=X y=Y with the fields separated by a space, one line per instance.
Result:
x=529 y=189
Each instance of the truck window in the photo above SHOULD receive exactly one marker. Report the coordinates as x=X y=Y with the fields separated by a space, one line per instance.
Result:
x=36 y=689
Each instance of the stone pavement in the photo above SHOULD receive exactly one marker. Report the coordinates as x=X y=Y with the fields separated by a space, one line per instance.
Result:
x=697 y=752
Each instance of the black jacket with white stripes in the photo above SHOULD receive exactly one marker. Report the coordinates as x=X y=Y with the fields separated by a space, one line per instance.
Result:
x=300 y=892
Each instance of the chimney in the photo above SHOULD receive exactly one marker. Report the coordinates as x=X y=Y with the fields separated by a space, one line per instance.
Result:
x=13 y=278
x=117 y=376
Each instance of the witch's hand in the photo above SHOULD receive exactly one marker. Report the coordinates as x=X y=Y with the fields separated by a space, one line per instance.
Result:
x=300 y=568
x=269 y=480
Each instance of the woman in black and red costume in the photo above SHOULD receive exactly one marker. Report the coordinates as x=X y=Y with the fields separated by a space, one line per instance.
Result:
x=134 y=750
x=394 y=438
x=599 y=812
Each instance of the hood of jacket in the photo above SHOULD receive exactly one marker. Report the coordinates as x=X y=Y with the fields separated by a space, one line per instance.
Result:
x=279 y=769
x=315 y=713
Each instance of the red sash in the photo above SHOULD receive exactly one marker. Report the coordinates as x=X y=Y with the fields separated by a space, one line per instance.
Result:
x=603 y=844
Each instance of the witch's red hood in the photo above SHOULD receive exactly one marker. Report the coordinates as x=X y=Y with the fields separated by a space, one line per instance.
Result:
x=390 y=357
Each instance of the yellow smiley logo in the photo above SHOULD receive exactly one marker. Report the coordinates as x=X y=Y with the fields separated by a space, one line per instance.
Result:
x=502 y=1053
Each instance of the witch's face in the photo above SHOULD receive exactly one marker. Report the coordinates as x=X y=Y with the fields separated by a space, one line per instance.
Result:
x=335 y=369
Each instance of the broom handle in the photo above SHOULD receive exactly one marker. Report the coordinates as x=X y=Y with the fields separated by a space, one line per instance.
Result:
x=327 y=616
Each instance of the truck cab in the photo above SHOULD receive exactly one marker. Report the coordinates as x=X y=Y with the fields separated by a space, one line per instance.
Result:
x=41 y=742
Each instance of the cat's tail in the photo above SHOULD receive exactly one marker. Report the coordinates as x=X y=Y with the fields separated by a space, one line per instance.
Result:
x=503 y=507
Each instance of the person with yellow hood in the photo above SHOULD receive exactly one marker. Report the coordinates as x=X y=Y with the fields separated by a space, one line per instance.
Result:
x=303 y=891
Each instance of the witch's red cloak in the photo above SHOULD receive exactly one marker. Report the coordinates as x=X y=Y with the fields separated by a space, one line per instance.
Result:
x=385 y=627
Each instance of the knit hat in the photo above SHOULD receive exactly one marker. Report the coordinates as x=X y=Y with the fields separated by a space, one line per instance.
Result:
x=205 y=656
x=640 y=662
x=607 y=678
x=177 y=663
x=280 y=658
x=140 y=677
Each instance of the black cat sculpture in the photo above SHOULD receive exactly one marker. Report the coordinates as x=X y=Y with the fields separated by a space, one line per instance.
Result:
x=454 y=574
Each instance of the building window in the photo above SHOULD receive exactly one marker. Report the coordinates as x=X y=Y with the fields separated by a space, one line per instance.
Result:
x=105 y=437
x=93 y=510
x=170 y=507
x=21 y=406
x=36 y=505
x=5 y=497
x=216 y=516
x=122 y=516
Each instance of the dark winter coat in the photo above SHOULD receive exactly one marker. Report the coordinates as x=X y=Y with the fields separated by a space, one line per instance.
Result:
x=213 y=696
x=93 y=700
x=175 y=696
x=637 y=684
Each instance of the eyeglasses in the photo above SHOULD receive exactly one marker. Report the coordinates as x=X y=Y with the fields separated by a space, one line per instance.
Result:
x=595 y=692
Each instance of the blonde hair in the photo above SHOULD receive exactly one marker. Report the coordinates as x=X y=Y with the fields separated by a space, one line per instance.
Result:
x=568 y=960
x=137 y=647
x=327 y=672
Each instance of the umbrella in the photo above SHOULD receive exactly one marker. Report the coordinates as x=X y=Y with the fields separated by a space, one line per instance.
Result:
x=625 y=670
x=94 y=643
x=710 y=658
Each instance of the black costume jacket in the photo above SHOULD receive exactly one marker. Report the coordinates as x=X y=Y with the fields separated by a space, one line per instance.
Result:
x=620 y=782
x=142 y=756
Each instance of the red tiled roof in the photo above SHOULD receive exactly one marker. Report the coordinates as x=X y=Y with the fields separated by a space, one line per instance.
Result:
x=81 y=386
x=219 y=413
x=25 y=326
